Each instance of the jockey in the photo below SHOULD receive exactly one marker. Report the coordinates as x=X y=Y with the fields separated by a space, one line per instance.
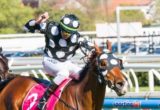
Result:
x=61 y=40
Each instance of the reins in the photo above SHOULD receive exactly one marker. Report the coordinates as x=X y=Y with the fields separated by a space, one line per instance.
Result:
x=66 y=104
x=101 y=78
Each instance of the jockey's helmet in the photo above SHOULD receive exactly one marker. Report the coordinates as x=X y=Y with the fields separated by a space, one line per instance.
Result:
x=69 y=24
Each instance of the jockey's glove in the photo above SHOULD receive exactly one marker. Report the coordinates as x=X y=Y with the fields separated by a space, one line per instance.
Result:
x=87 y=45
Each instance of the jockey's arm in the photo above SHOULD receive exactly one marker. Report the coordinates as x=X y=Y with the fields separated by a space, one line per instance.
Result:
x=37 y=25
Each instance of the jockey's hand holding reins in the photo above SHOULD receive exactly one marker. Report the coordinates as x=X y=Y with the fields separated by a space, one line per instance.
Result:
x=86 y=48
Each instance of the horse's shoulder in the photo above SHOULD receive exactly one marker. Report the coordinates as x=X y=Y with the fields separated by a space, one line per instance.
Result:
x=71 y=87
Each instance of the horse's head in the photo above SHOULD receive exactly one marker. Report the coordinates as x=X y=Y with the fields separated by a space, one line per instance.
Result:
x=3 y=66
x=109 y=71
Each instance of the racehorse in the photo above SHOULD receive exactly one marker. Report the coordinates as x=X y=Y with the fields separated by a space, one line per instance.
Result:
x=85 y=94
x=4 y=69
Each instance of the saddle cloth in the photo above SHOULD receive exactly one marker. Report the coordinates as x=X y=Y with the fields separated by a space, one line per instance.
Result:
x=32 y=98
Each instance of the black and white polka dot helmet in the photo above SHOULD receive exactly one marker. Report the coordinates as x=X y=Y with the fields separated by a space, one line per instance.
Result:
x=69 y=23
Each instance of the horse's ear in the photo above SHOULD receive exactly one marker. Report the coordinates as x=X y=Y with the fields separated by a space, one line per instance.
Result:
x=0 y=49
x=97 y=49
x=109 y=45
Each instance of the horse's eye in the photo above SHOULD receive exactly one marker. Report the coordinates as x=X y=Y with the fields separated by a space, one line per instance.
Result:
x=103 y=64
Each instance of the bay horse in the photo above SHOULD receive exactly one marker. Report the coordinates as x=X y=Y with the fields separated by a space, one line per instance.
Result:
x=4 y=69
x=85 y=94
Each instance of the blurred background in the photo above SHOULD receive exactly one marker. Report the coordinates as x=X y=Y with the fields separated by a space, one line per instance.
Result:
x=133 y=27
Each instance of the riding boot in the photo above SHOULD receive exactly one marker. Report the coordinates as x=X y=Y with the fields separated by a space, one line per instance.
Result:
x=45 y=97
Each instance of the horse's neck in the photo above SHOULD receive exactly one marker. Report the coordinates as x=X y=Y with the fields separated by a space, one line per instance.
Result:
x=88 y=94
x=92 y=89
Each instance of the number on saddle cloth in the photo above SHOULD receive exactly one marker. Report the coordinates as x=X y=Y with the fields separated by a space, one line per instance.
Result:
x=36 y=92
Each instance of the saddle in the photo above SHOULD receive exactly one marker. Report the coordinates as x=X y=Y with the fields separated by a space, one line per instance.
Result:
x=32 y=98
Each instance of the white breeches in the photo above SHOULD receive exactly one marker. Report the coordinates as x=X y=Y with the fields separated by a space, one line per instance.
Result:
x=60 y=70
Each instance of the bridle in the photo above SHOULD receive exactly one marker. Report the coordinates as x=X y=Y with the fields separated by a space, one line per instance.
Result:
x=111 y=62
x=111 y=59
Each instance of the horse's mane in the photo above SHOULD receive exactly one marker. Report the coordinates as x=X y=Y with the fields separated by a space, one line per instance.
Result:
x=84 y=70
